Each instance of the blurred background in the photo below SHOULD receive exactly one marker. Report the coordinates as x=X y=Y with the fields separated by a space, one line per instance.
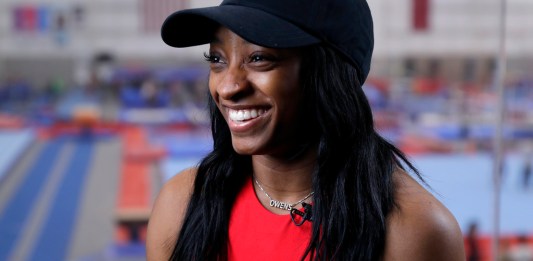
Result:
x=96 y=113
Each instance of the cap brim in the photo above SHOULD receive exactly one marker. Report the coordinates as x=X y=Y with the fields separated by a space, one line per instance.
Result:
x=196 y=27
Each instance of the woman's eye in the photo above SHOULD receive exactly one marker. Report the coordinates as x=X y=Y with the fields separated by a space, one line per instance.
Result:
x=257 y=58
x=212 y=58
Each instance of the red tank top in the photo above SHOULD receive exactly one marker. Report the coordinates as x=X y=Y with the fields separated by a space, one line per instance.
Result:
x=258 y=234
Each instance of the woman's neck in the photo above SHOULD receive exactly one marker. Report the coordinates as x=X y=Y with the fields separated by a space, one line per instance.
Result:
x=284 y=180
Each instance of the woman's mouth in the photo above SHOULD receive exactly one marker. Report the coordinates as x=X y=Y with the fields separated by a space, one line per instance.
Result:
x=245 y=115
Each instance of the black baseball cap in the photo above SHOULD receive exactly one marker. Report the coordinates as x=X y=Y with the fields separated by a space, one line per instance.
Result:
x=345 y=25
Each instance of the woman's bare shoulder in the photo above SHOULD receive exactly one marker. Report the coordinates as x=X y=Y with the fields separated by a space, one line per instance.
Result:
x=167 y=215
x=421 y=228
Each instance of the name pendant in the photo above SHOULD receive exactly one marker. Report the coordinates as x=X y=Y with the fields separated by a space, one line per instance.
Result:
x=280 y=205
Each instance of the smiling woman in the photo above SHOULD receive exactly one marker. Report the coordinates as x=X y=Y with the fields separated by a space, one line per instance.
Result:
x=248 y=79
x=296 y=163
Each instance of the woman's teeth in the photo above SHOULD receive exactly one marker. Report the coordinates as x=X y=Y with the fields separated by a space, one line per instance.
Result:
x=244 y=115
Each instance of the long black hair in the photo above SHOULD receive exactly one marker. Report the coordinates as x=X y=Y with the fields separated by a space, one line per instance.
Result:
x=352 y=180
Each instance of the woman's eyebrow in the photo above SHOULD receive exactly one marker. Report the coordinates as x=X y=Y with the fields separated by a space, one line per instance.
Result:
x=216 y=40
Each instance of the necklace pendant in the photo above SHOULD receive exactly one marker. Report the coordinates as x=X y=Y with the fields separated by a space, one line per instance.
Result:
x=280 y=205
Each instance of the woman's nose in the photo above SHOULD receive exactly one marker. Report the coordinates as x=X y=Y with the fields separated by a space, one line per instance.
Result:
x=234 y=84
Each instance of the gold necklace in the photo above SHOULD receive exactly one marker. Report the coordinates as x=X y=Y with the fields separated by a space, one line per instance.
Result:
x=281 y=204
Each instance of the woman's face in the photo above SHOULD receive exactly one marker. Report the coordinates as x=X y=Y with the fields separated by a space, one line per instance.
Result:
x=258 y=92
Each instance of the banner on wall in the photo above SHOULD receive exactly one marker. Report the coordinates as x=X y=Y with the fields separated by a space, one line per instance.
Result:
x=53 y=21
x=421 y=16
x=31 y=18
x=25 y=18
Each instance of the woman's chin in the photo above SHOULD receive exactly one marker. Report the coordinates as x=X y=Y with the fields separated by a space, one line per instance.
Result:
x=244 y=149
